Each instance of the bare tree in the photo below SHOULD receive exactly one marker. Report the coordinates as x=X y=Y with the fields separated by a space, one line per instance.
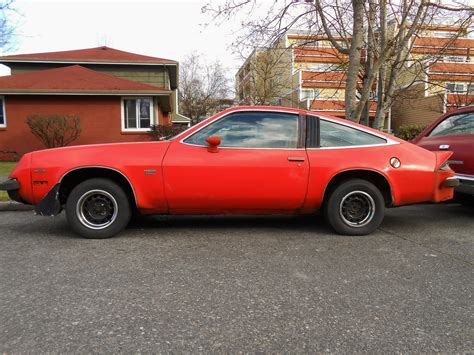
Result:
x=7 y=25
x=203 y=86
x=262 y=77
x=375 y=35
x=55 y=130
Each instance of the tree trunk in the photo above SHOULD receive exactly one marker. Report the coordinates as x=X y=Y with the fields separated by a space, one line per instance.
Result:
x=379 y=120
x=369 y=59
x=357 y=43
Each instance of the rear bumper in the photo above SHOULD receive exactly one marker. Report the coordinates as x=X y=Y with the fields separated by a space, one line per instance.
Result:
x=451 y=182
x=445 y=182
x=466 y=184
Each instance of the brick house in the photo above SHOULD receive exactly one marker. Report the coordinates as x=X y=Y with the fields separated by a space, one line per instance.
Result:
x=116 y=94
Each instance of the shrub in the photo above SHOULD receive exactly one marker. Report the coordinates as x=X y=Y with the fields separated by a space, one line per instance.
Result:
x=161 y=132
x=408 y=132
x=55 y=130
x=9 y=156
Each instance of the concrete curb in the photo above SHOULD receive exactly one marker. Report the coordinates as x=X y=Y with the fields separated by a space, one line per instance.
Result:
x=10 y=206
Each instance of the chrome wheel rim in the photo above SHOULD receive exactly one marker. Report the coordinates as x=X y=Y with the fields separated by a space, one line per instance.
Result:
x=357 y=209
x=97 y=209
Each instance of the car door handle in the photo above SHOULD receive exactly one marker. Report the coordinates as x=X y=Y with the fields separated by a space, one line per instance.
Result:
x=296 y=159
x=444 y=146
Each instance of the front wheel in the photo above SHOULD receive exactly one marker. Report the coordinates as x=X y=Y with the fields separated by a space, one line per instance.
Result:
x=355 y=207
x=97 y=209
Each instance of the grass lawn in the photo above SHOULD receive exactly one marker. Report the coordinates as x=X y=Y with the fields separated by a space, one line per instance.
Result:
x=5 y=169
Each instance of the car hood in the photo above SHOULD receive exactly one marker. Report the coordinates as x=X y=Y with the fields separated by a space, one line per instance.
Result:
x=115 y=155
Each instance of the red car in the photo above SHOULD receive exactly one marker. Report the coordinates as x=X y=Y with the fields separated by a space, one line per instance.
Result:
x=454 y=131
x=247 y=160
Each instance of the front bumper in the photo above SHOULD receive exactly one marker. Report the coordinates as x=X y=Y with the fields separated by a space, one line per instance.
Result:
x=11 y=186
x=8 y=185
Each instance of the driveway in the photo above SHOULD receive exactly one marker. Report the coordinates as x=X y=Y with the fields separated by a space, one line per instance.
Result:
x=205 y=284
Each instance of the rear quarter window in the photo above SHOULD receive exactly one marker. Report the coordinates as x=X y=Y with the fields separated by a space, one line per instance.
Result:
x=337 y=135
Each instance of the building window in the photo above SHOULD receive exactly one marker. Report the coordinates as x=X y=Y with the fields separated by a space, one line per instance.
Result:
x=455 y=87
x=306 y=94
x=454 y=59
x=3 y=119
x=137 y=114
x=327 y=67
x=309 y=94
x=445 y=34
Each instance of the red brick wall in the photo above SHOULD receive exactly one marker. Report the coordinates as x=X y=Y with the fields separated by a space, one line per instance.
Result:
x=100 y=120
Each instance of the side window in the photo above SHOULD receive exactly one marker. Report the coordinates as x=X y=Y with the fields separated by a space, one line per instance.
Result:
x=337 y=135
x=456 y=124
x=252 y=130
x=137 y=113
x=3 y=121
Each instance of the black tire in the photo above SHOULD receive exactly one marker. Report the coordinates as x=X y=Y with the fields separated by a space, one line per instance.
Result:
x=98 y=209
x=355 y=207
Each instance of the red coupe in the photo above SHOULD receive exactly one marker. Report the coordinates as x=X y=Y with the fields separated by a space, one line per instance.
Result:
x=246 y=160
x=454 y=131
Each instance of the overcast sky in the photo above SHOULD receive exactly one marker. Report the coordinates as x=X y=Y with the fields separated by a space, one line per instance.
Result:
x=161 y=28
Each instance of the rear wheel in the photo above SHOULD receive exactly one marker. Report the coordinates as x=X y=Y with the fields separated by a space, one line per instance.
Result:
x=355 y=207
x=97 y=209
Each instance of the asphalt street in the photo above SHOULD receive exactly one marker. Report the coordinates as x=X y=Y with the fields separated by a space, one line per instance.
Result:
x=201 y=284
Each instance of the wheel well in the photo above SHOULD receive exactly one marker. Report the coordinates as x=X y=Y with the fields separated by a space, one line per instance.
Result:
x=75 y=177
x=375 y=178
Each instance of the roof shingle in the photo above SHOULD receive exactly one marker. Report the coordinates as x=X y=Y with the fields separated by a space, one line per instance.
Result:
x=99 y=54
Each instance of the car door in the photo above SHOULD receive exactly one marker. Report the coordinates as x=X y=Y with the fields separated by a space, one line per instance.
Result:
x=260 y=165
x=455 y=133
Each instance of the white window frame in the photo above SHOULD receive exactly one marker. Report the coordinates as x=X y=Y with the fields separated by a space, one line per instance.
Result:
x=4 y=124
x=152 y=113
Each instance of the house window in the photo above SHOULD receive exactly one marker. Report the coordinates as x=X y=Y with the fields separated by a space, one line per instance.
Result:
x=3 y=120
x=137 y=114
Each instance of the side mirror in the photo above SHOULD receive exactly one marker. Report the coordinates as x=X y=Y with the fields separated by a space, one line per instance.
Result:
x=214 y=142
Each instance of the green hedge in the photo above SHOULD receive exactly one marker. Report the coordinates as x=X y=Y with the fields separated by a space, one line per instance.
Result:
x=408 y=132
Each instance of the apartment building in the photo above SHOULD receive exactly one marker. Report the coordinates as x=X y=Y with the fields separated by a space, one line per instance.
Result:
x=308 y=72
x=452 y=72
x=300 y=71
